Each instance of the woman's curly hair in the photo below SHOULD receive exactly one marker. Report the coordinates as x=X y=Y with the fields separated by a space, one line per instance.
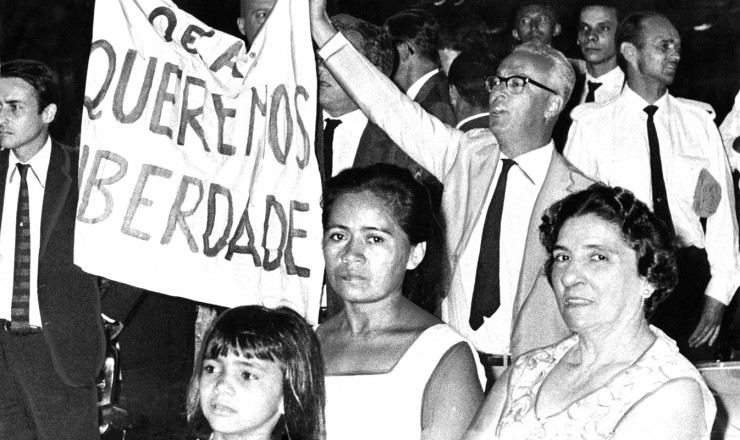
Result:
x=641 y=230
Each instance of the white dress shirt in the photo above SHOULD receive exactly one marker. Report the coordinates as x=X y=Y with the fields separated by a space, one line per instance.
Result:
x=36 y=179
x=612 y=84
x=609 y=143
x=346 y=139
x=522 y=187
x=416 y=86
x=730 y=130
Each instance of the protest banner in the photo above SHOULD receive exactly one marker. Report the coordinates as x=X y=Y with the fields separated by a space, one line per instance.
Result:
x=196 y=171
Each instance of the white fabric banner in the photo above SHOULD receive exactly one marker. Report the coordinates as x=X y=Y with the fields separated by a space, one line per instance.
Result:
x=197 y=174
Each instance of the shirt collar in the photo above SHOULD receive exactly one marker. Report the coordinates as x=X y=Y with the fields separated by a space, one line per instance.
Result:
x=612 y=76
x=534 y=164
x=353 y=117
x=39 y=164
x=470 y=118
x=636 y=101
x=415 y=87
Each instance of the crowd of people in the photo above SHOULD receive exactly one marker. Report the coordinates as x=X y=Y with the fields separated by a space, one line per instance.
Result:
x=518 y=245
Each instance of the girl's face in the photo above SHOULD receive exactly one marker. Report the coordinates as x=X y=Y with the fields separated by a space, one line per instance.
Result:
x=240 y=397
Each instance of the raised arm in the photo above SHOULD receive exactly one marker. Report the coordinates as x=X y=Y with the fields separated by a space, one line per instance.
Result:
x=452 y=395
x=423 y=137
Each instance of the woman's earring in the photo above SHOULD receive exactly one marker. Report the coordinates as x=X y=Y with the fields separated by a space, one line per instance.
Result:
x=645 y=293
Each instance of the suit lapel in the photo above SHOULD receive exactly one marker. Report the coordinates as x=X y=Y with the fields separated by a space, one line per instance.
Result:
x=481 y=169
x=4 y=159
x=56 y=190
x=558 y=183
x=428 y=86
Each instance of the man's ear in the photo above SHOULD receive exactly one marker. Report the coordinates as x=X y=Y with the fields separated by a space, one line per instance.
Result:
x=555 y=104
x=515 y=34
x=417 y=255
x=629 y=52
x=49 y=113
x=241 y=24
x=556 y=30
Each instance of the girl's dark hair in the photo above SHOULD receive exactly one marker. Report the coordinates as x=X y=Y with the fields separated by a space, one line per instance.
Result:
x=641 y=230
x=410 y=204
x=277 y=335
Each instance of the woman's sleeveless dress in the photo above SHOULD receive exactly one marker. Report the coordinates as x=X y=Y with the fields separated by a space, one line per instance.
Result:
x=387 y=406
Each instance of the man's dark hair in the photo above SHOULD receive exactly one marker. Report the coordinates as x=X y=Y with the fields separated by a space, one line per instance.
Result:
x=462 y=32
x=376 y=43
x=631 y=30
x=610 y=4
x=40 y=76
x=418 y=27
x=468 y=73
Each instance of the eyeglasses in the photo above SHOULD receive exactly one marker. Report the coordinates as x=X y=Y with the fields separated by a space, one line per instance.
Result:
x=515 y=83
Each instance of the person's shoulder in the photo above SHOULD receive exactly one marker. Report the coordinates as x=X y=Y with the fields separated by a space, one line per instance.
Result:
x=479 y=137
x=699 y=108
x=593 y=110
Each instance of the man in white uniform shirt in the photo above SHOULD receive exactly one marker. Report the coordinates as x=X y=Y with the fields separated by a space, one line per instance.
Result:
x=525 y=98
x=669 y=153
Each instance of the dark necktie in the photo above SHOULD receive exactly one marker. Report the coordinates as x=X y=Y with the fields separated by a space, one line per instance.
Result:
x=591 y=95
x=331 y=125
x=487 y=289
x=22 y=269
x=660 y=197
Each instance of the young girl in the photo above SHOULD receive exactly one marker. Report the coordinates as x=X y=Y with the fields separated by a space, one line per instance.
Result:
x=259 y=373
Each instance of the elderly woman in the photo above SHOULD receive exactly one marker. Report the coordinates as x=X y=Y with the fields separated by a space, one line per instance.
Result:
x=611 y=261
x=393 y=371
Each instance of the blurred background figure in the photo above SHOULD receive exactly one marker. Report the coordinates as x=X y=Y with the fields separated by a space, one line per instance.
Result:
x=259 y=375
x=415 y=33
x=393 y=371
x=460 y=32
x=611 y=261
x=468 y=91
x=535 y=20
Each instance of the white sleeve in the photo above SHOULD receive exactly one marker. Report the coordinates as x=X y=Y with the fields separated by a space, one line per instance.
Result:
x=722 y=230
x=730 y=130
x=423 y=137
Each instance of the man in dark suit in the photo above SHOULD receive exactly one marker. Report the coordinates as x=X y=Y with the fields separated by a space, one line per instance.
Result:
x=51 y=338
x=468 y=91
x=415 y=33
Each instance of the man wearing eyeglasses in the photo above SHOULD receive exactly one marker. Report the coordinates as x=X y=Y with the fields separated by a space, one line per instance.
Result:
x=668 y=152
x=485 y=301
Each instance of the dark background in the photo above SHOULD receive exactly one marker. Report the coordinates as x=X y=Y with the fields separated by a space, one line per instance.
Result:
x=58 y=32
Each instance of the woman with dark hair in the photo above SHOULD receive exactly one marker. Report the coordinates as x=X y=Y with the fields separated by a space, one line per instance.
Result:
x=259 y=373
x=393 y=370
x=617 y=377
